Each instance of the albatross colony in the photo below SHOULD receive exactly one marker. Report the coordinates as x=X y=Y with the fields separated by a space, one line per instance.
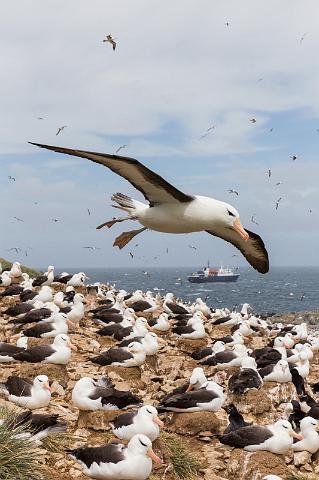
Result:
x=236 y=390
x=172 y=211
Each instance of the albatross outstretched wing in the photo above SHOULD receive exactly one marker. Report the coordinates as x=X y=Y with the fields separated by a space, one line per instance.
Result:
x=154 y=188
x=253 y=249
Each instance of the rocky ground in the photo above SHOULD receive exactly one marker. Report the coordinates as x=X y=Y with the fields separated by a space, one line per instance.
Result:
x=171 y=367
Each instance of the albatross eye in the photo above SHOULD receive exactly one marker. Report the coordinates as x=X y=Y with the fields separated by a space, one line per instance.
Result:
x=142 y=443
x=231 y=213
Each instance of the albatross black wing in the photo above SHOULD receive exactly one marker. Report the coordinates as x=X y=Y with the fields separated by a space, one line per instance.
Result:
x=154 y=188
x=245 y=436
x=253 y=249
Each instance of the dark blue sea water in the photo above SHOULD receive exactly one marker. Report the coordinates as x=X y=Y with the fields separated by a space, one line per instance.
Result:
x=280 y=290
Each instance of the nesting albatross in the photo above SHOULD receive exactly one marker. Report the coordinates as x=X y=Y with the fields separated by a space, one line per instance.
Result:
x=172 y=211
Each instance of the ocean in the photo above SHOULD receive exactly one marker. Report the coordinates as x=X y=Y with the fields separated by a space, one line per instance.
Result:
x=284 y=289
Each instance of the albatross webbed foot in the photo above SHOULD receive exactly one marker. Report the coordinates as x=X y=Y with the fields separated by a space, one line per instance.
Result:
x=110 y=223
x=126 y=237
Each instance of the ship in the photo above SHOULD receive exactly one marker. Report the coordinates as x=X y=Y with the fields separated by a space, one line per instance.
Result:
x=208 y=274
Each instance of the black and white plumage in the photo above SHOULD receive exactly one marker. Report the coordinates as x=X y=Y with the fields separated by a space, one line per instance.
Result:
x=246 y=378
x=89 y=394
x=18 y=309
x=145 y=420
x=59 y=352
x=49 y=329
x=276 y=438
x=209 y=397
x=173 y=211
x=227 y=359
x=38 y=426
x=7 y=350
x=196 y=381
x=114 y=461
x=28 y=393
x=278 y=372
x=34 y=315
x=131 y=356
x=45 y=279
x=12 y=290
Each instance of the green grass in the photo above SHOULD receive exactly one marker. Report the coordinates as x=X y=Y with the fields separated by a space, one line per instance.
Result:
x=59 y=442
x=29 y=271
x=185 y=465
x=18 y=458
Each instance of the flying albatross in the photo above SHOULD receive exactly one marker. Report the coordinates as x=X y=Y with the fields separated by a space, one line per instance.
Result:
x=172 y=211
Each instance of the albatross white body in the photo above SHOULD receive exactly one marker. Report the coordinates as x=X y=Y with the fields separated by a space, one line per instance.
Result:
x=195 y=216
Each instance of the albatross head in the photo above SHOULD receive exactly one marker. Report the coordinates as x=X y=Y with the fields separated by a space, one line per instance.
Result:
x=228 y=216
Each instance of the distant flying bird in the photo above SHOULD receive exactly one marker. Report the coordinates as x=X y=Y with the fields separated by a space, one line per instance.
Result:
x=233 y=191
x=110 y=40
x=193 y=247
x=271 y=129
x=227 y=24
x=277 y=203
x=293 y=157
x=136 y=245
x=92 y=248
x=253 y=220
x=309 y=211
x=166 y=250
x=209 y=129
x=19 y=219
x=269 y=173
x=54 y=220
x=235 y=255
x=40 y=118
x=60 y=129
x=120 y=148
x=165 y=203
x=253 y=120
x=302 y=297
x=17 y=249
x=11 y=178
x=88 y=210
x=132 y=256
x=145 y=273
x=278 y=183
x=303 y=37
x=260 y=80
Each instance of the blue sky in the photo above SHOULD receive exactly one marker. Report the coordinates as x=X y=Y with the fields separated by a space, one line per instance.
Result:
x=177 y=70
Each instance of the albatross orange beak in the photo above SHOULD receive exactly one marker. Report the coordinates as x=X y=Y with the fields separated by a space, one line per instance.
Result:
x=158 y=421
x=189 y=388
x=298 y=436
x=153 y=456
x=237 y=226
x=46 y=386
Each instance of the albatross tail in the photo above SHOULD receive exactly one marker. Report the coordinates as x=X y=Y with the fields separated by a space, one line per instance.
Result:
x=126 y=203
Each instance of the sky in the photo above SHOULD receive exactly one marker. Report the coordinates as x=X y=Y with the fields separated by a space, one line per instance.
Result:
x=179 y=68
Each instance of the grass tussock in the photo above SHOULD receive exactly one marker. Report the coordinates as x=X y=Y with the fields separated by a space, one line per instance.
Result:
x=29 y=271
x=18 y=458
x=184 y=463
x=59 y=442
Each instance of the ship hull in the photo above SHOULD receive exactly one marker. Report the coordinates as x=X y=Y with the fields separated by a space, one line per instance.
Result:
x=214 y=279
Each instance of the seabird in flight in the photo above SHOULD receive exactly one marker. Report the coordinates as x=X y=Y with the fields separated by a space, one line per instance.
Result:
x=110 y=40
x=171 y=210
x=120 y=148
x=277 y=203
x=233 y=191
x=60 y=129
